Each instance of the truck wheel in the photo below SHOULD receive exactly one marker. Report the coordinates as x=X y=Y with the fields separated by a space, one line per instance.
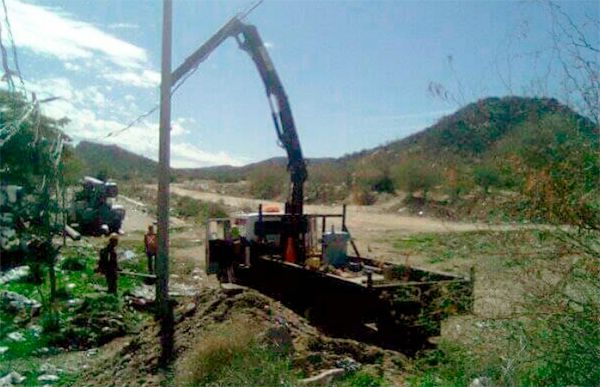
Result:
x=115 y=227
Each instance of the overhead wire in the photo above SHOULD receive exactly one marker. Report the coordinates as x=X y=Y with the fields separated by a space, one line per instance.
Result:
x=13 y=46
x=114 y=133
x=142 y=116
x=7 y=71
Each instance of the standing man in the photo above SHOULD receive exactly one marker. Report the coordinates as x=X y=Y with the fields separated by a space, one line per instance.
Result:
x=108 y=263
x=151 y=246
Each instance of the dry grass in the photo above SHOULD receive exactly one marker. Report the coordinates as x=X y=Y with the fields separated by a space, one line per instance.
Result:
x=232 y=355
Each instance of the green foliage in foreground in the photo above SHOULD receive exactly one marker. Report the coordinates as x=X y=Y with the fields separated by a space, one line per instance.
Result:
x=78 y=317
x=552 y=337
x=232 y=354
x=67 y=325
x=360 y=379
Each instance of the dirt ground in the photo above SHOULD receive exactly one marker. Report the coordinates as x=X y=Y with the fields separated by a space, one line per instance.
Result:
x=136 y=361
x=133 y=359
x=370 y=226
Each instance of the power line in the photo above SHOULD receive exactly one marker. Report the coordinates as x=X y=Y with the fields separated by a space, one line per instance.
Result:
x=241 y=15
x=141 y=117
x=7 y=71
x=13 y=45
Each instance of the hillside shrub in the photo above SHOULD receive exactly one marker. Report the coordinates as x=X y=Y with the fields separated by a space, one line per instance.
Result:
x=327 y=183
x=486 y=177
x=458 y=181
x=198 y=210
x=268 y=183
x=373 y=174
x=560 y=167
x=417 y=175
x=362 y=196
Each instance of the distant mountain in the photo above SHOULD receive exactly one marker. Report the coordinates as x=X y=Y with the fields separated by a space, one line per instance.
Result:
x=478 y=129
x=475 y=132
x=121 y=164
x=227 y=173
x=115 y=162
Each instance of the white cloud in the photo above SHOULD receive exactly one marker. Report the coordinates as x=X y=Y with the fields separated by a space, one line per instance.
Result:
x=141 y=138
x=89 y=52
x=177 y=127
x=123 y=26
x=52 y=87
x=57 y=34
x=144 y=78
x=186 y=155
x=269 y=45
x=72 y=66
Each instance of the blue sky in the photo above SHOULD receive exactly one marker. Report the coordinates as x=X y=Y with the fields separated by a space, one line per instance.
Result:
x=356 y=72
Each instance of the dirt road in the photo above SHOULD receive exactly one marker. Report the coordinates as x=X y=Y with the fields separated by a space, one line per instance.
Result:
x=371 y=226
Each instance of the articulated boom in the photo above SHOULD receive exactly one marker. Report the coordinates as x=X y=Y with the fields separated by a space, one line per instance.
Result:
x=250 y=41
x=293 y=224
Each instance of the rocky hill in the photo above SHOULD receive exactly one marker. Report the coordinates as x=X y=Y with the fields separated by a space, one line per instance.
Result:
x=482 y=129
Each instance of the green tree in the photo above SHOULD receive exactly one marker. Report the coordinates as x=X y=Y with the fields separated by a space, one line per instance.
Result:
x=32 y=147
x=486 y=177
x=417 y=175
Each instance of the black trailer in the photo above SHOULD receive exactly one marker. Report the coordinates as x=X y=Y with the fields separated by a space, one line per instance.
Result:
x=396 y=305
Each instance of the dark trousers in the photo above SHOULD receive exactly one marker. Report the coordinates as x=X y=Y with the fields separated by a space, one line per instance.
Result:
x=111 y=280
x=151 y=262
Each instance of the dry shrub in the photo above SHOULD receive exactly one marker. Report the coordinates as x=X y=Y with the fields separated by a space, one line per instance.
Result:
x=232 y=355
x=362 y=196
x=214 y=351
x=269 y=182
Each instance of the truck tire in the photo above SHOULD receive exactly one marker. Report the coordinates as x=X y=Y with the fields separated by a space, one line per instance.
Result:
x=116 y=226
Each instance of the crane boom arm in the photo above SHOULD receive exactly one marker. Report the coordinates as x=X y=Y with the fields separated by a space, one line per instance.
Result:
x=250 y=41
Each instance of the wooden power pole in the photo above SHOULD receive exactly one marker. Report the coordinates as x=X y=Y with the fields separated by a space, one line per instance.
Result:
x=164 y=308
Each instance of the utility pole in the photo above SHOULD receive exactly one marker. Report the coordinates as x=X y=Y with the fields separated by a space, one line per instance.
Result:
x=164 y=308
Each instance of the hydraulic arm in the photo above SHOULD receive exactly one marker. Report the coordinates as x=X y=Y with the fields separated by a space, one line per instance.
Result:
x=250 y=41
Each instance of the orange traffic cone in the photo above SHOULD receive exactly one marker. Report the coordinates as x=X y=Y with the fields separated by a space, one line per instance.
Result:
x=290 y=251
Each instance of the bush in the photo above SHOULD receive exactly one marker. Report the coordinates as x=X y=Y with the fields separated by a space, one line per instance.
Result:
x=197 y=209
x=74 y=264
x=232 y=356
x=486 y=177
x=327 y=183
x=452 y=365
x=268 y=183
x=374 y=175
x=362 y=196
x=360 y=379
x=552 y=337
x=416 y=175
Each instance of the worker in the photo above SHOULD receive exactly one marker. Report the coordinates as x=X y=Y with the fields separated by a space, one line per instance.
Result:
x=151 y=247
x=108 y=263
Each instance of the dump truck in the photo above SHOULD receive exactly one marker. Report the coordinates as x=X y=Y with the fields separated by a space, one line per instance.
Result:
x=93 y=210
x=295 y=257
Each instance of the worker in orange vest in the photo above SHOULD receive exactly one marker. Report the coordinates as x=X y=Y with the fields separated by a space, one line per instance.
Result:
x=151 y=247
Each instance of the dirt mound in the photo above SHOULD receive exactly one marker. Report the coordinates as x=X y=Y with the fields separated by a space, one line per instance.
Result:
x=311 y=352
